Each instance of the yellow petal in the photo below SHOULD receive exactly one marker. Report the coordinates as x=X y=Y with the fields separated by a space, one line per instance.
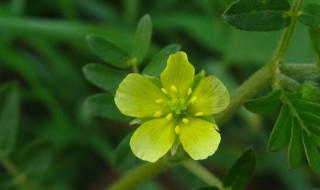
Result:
x=137 y=97
x=199 y=138
x=153 y=139
x=209 y=97
x=178 y=76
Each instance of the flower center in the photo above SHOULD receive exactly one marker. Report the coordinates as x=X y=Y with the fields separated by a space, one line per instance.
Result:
x=178 y=106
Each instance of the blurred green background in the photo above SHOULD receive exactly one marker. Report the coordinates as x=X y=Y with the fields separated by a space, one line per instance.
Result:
x=62 y=146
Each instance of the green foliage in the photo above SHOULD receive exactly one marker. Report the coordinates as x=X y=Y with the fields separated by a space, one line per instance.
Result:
x=266 y=104
x=239 y=174
x=9 y=116
x=258 y=15
x=103 y=105
x=104 y=77
x=296 y=124
x=142 y=38
x=315 y=44
x=310 y=16
x=108 y=51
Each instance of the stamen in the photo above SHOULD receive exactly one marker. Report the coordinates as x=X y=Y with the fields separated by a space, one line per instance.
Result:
x=159 y=101
x=198 y=114
x=189 y=91
x=169 y=116
x=164 y=91
x=193 y=99
x=177 y=129
x=174 y=88
x=185 y=120
x=158 y=114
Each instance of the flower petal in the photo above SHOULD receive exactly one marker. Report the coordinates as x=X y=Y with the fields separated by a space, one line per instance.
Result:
x=139 y=97
x=209 y=97
x=153 y=139
x=178 y=76
x=199 y=138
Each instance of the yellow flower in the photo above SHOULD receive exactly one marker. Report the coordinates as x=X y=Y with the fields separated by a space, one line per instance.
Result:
x=175 y=108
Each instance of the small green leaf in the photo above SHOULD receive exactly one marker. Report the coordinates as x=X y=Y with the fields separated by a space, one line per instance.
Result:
x=280 y=134
x=306 y=106
x=104 y=77
x=108 y=51
x=9 y=116
x=295 y=150
x=238 y=176
x=315 y=44
x=103 y=105
x=311 y=152
x=258 y=15
x=159 y=61
x=123 y=156
x=142 y=38
x=310 y=16
x=266 y=104
x=310 y=118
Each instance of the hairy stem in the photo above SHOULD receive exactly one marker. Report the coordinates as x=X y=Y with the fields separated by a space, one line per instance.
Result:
x=302 y=72
x=203 y=173
x=19 y=178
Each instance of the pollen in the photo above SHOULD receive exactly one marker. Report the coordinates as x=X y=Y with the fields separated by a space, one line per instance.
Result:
x=158 y=114
x=174 y=88
x=164 y=91
x=177 y=129
x=189 y=91
x=159 y=101
x=193 y=99
x=185 y=120
x=169 y=116
x=198 y=114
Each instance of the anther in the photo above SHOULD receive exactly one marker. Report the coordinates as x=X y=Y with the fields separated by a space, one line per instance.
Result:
x=174 y=88
x=189 y=91
x=164 y=91
x=158 y=114
x=169 y=116
x=198 y=114
x=177 y=129
x=185 y=120
x=193 y=99
x=159 y=100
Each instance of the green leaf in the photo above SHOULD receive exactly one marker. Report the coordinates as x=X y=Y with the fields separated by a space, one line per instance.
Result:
x=159 y=61
x=266 y=104
x=123 y=156
x=258 y=15
x=238 y=176
x=315 y=44
x=306 y=106
x=310 y=16
x=108 y=51
x=280 y=134
x=142 y=38
x=104 y=77
x=9 y=116
x=103 y=105
x=295 y=150
x=311 y=152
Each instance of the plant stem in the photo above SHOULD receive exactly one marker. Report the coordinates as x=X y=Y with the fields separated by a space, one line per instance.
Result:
x=203 y=173
x=140 y=174
x=19 y=178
